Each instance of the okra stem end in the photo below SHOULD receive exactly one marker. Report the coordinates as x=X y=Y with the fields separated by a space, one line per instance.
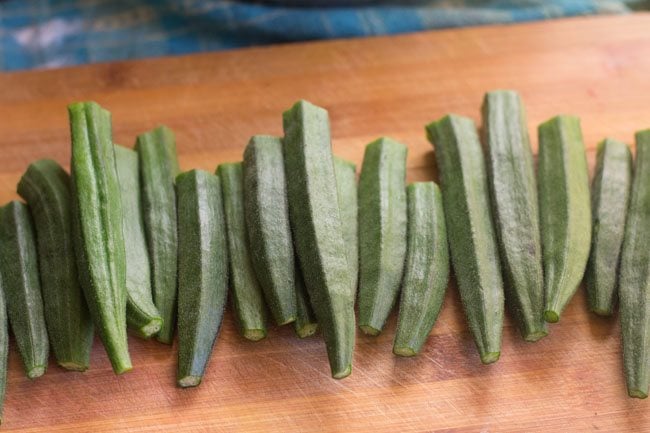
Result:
x=151 y=328
x=73 y=366
x=254 y=334
x=535 y=336
x=637 y=393
x=343 y=373
x=369 y=330
x=37 y=371
x=189 y=381
x=307 y=330
x=490 y=357
x=404 y=351
x=551 y=316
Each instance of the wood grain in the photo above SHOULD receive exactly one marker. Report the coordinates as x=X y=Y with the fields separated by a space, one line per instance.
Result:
x=598 y=68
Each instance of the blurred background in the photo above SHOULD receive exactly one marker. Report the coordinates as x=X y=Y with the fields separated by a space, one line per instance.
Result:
x=56 y=33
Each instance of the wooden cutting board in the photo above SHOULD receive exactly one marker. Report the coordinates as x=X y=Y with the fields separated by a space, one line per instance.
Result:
x=598 y=68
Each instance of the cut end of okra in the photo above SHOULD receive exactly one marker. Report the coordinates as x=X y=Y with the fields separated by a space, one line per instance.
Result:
x=307 y=330
x=637 y=393
x=73 y=366
x=287 y=321
x=535 y=336
x=254 y=334
x=151 y=328
x=37 y=371
x=343 y=373
x=603 y=311
x=490 y=357
x=369 y=330
x=551 y=316
x=189 y=381
x=404 y=351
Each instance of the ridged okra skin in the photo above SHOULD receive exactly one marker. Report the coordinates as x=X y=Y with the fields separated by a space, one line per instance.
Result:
x=317 y=229
x=382 y=231
x=20 y=281
x=470 y=229
x=346 y=185
x=142 y=316
x=267 y=223
x=97 y=227
x=4 y=350
x=565 y=211
x=158 y=169
x=306 y=323
x=610 y=194
x=246 y=293
x=202 y=271
x=515 y=209
x=426 y=272
x=634 y=280
x=46 y=187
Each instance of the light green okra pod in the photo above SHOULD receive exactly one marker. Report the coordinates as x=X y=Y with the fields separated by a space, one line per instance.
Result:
x=426 y=272
x=317 y=229
x=634 y=280
x=565 y=211
x=202 y=272
x=382 y=231
x=97 y=227
x=158 y=169
x=4 y=350
x=267 y=223
x=142 y=316
x=515 y=209
x=346 y=185
x=470 y=229
x=609 y=200
x=247 y=297
x=20 y=281
x=46 y=188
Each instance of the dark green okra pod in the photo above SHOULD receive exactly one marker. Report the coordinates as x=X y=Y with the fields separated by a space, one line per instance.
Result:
x=4 y=350
x=247 y=297
x=317 y=229
x=202 y=271
x=306 y=324
x=634 y=280
x=472 y=238
x=346 y=186
x=609 y=199
x=142 y=316
x=515 y=209
x=20 y=281
x=267 y=223
x=158 y=169
x=426 y=272
x=97 y=227
x=565 y=211
x=46 y=188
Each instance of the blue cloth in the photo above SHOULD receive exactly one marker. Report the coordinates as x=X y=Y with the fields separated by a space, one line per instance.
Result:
x=52 y=33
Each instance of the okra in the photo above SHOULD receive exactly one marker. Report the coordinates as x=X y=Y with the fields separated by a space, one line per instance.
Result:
x=426 y=272
x=306 y=324
x=19 y=268
x=346 y=186
x=515 y=209
x=246 y=293
x=142 y=316
x=634 y=282
x=317 y=229
x=97 y=227
x=4 y=350
x=565 y=211
x=472 y=238
x=382 y=231
x=46 y=188
x=202 y=271
x=609 y=199
x=158 y=169
x=267 y=223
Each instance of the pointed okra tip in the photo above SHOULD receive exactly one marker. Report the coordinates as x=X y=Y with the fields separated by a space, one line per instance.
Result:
x=343 y=373
x=637 y=393
x=189 y=381
x=490 y=357
x=254 y=334
x=36 y=371
x=404 y=351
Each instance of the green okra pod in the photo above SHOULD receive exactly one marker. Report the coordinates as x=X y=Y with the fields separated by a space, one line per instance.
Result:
x=609 y=200
x=306 y=324
x=246 y=293
x=317 y=229
x=565 y=211
x=97 y=227
x=46 y=188
x=4 y=350
x=426 y=272
x=202 y=271
x=515 y=209
x=634 y=280
x=470 y=229
x=142 y=316
x=346 y=186
x=158 y=169
x=267 y=223
x=382 y=231
x=20 y=281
